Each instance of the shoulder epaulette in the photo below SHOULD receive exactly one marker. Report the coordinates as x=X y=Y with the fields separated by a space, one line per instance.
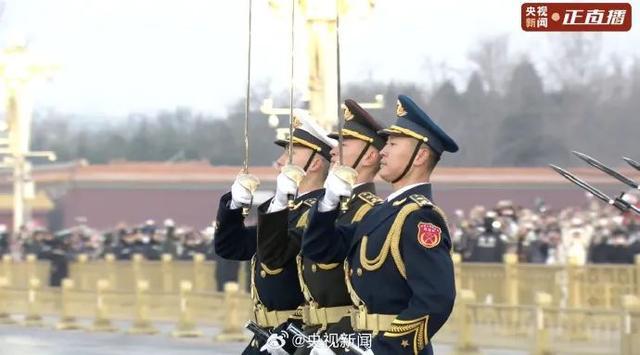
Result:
x=370 y=198
x=421 y=200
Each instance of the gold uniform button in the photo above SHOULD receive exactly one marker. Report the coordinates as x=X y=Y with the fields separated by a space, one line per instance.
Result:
x=359 y=271
x=350 y=272
x=263 y=274
x=314 y=267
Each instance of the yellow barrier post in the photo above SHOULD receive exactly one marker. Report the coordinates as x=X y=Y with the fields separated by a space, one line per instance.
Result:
x=33 y=317
x=542 y=341
x=141 y=323
x=243 y=280
x=67 y=320
x=232 y=328
x=102 y=323
x=31 y=266
x=83 y=269
x=465 y=344
x=136 y=263
x=511 y=289
x=576 y=324
x=186 y=327
x=630 y=335
x=167 y=272
x=457 y=270
x=5 y=318
x=110 y=265
x=637 y=263
x=199 y=276
x=7 y=267
x=511 y=279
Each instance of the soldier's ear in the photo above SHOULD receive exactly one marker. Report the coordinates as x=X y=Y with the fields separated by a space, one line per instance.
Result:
x=371 y=157
x=316 y=163
x=422 y=158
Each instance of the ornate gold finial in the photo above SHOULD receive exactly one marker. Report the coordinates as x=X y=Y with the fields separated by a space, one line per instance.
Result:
x=296 y=122
x=348 y=116
x=400 y=112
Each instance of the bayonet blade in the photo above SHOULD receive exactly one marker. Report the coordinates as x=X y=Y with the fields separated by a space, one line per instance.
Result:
x=598 y=165
x=632 y=162
x=581 y=183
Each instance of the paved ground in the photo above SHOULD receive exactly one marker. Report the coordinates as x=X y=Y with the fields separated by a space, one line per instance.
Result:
x=21 y=340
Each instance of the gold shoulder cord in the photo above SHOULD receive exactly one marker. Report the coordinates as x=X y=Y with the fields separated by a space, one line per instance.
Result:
x=439 y=211
x=355 y=299
x=270 y=272
x=303 y=284
x=391 y=243
x=361 y=212
x=254 y=291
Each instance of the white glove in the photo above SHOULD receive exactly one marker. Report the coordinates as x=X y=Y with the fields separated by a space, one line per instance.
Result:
x=335 y=187
x=240 y=195
x=321 y=348
x=274 y=345
x=284 y=186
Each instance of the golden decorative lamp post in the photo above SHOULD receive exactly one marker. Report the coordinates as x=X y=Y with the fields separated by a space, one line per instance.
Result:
x=18 y=71
x=320 y=20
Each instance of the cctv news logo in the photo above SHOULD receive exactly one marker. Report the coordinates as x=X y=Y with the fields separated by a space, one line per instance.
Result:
x=331 y=340
x=576 y=17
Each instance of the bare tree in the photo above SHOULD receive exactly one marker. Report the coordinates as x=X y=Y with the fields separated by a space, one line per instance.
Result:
x=575 y=59
x=491 y=56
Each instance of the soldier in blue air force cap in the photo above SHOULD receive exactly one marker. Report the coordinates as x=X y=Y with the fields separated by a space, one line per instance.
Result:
x=397 y=258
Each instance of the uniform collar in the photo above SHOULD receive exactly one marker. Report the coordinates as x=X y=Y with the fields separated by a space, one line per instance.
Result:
x=364 y=187
x=421 y=187
x=310 y=194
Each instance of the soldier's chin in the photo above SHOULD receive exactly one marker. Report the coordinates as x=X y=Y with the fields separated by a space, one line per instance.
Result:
x=385 y=173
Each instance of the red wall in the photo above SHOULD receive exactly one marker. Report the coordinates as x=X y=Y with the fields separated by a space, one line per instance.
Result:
x=104 y=208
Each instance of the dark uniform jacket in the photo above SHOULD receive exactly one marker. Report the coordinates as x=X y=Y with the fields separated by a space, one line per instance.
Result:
x=275 y=284
x=323 y=285
x=399 y=266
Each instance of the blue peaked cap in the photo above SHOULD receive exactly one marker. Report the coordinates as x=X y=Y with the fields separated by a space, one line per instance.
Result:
x=414 y=122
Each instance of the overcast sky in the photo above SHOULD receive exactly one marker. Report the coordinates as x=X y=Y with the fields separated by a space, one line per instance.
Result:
x=121 y=56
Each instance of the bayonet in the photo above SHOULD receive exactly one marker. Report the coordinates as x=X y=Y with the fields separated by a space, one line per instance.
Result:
x=598 y=165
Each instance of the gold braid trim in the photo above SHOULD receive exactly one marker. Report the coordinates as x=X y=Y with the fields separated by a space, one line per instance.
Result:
x=297 y=314
x=328 y=266
x=303 y=285
x=270 y=271
x=254 y=291
x=303 y=220
x=418 y=326
x=396 y=232
x=360 y=213
x=442 y=214
x=355 y=299
x=391 y=243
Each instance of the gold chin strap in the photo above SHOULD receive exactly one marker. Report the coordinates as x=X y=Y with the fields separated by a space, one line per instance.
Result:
x=410 y=162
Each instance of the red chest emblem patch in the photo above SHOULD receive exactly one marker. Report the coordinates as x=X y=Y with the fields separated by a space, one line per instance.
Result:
x=429 y=235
